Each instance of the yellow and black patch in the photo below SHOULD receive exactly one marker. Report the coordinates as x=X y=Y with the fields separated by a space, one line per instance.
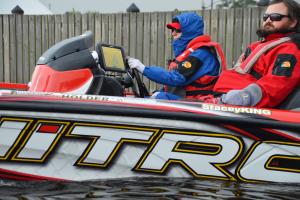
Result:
x=284 y=65
x=189 y=67
x=187 y=64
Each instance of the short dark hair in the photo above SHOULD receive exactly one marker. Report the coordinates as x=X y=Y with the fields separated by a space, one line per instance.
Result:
x=293 y=10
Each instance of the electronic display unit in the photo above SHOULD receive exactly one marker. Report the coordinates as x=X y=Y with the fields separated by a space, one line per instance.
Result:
x=112 y=57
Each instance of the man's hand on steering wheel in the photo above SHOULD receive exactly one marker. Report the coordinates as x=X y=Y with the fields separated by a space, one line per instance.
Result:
x=137 y=66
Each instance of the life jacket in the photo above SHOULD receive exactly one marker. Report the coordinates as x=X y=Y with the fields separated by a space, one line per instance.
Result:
x=244 y=67
x=241 y=75
x=204 y=84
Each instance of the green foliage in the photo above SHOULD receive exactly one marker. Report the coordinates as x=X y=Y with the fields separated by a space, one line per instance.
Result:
x=236 y=3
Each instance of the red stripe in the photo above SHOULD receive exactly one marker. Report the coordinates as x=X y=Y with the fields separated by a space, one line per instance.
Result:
x=15 y=86
x=9 y=174
x=46 y=128
x=282 y=134
x=242 y=132
x=17 y=178
x=285 y=116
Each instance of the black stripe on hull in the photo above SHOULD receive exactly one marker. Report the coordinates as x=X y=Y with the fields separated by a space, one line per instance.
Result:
x=252 y=125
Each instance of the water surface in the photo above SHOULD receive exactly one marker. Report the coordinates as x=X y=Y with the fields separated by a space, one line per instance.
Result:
x=147 y=188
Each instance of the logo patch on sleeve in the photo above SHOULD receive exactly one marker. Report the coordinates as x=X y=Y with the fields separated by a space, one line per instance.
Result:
x=187 y=64
x=284 y=65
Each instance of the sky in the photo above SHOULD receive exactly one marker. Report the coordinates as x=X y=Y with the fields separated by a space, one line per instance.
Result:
x=114 y=6
x=28 y=6
x=104 y=6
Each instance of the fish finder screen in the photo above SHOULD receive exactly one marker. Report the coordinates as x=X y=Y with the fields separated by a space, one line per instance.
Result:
x=113 y=58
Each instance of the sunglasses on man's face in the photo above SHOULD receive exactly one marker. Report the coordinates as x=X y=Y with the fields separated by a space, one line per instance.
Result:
x=274 y=17
x=176 y=30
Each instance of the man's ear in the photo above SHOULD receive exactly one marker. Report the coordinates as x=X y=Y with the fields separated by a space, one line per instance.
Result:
x=293 y=23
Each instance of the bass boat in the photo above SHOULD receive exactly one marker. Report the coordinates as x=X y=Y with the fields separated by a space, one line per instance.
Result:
x=76 y=122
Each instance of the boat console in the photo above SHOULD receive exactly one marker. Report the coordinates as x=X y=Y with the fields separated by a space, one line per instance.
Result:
x=71 y=66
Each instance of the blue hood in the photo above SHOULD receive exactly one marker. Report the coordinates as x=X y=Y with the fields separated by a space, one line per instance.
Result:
x=191 y=27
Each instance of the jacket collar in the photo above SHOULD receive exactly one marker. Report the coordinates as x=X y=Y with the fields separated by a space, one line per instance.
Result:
x=276 y=36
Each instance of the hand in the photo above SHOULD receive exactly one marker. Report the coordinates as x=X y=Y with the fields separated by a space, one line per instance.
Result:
x=236 y=97
x=210 y=99
x=136 y=64
x=215 y=100
x=249 y=96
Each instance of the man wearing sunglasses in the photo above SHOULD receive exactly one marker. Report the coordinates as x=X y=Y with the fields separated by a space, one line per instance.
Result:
x=269 y=70
x=195 y=68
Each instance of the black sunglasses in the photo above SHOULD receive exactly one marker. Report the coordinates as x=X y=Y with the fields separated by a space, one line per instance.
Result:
x=274 y=17
x=176 y=30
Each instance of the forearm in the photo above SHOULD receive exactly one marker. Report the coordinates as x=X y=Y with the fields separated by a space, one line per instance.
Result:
x=162 y=76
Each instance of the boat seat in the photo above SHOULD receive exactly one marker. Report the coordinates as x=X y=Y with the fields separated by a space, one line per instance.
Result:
x=292 y=101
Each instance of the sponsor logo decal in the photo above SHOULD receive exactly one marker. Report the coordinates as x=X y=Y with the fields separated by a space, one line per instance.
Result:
x=286 y=64
x=236 y=109
x=187 y=64
x=202 y=154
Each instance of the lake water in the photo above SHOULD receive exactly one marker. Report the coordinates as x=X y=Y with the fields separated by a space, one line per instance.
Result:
x=147 y=188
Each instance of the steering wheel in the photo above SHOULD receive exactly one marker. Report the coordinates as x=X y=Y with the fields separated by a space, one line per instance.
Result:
x=142 y=90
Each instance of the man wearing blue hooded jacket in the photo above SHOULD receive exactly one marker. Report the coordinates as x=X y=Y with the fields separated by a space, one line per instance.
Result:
x=195 y=68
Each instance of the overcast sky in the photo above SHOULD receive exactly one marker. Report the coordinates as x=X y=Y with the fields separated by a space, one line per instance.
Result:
x=103 y=6
x=113 y=6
